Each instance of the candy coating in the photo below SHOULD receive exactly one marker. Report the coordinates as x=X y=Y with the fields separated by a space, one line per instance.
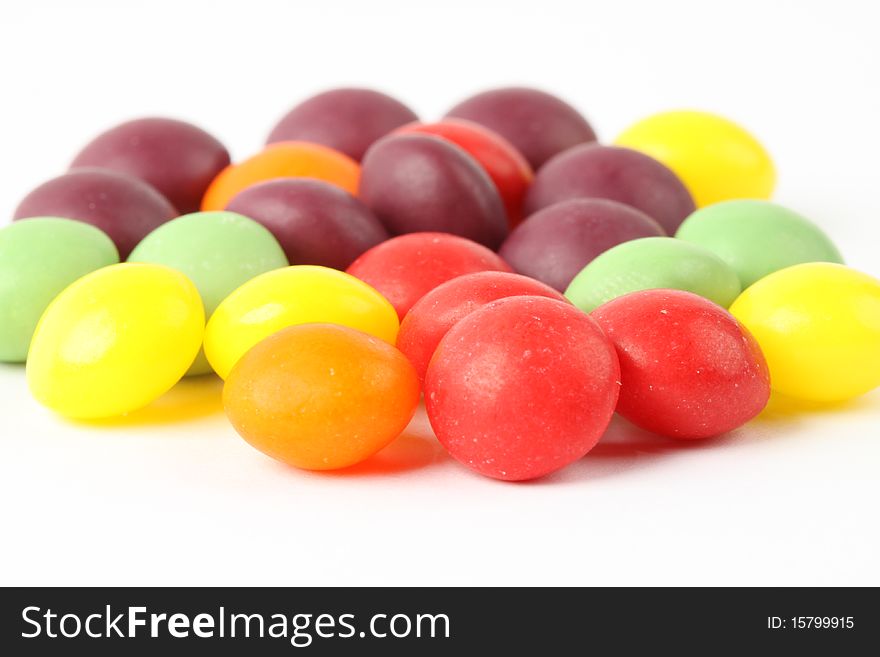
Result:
x=115 y=340
x=416 y=183
x=654 y=262
x=407 y=267
x=39 y=257
x=757 y=238
x=177 y=158
x=321 y=396
x=618 y=174
x=124 y=207
x=348 y=120
x=688 y=369
x=522 y=387
x=538 y=124
x=818 y=325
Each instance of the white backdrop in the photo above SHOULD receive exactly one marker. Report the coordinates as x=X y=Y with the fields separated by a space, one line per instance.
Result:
x=173 y=496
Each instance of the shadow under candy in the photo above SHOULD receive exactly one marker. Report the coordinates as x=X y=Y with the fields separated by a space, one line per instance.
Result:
x=193 y=398
x=624 y=447
x=414 y=449
x=782 y=408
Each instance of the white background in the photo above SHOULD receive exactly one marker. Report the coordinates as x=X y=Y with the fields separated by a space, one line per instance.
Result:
x=173 y=496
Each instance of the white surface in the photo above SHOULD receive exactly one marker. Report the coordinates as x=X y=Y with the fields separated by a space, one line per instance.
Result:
x=786 y=500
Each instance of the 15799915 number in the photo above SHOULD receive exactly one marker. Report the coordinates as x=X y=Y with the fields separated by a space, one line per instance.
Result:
x=821 y=622
x=811 y=622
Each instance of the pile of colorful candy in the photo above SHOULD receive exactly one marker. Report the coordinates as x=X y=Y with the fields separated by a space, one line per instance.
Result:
x=528 y=280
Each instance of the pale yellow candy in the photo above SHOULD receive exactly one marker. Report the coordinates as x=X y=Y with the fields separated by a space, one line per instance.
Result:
x=289 y=296
x=715 y=158
x=115 y=340
x=818 y=325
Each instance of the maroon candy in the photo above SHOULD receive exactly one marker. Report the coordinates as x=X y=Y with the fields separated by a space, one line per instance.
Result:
x=315 y=222
x=417 y=183
x=177 y=158
x=124 y=207
x=612 y=172
x=538 y=124
x=349 y=120
x=555 y=243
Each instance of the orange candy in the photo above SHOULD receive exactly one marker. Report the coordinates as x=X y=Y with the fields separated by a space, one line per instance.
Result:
x=288 y=159
x=321 y=396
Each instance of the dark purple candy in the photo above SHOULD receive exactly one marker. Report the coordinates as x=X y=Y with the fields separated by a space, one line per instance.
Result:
x=124 y=207
x=538 y=124
x=554 y=244
x=416 y=183
x=349 y=120
x=177 y=158
x=612 y=172
x=315 y=222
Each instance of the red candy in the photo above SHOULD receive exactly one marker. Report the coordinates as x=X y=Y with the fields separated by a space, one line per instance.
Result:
x=505 y=165
x=443 y=307
x=406 y=268
x=688 y=369
x=522 y=387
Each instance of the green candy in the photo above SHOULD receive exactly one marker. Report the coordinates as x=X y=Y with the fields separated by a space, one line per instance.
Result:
x=218 y=251
x=649 y=263
x=39 y=257
x=757 y=238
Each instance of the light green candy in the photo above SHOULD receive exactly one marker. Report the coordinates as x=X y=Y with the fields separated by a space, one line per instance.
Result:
x=39 y=257
x=218 y=251
x=650 y=263
x=757 y=238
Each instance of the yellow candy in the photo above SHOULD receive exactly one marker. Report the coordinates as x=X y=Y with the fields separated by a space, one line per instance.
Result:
x=294 y=295
x=818 y=325
x=715 y=158
x=115 y=340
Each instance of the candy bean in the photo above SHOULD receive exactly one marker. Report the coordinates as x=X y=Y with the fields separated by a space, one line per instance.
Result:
x=406 y=268
x=538 y=124
x=321 y=396
x=522 y=387
x=348 y=120
x=39 y=257
x=757 y=238
x=819 y=327
x=115 y=340
x=654 y=262
x=688 y=369
x=177 y=158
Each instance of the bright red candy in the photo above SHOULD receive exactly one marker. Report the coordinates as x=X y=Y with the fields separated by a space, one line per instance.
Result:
x=522 y=387
x=443 y=307
x=505 y=165
x=406 y=268
x=688 y=369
